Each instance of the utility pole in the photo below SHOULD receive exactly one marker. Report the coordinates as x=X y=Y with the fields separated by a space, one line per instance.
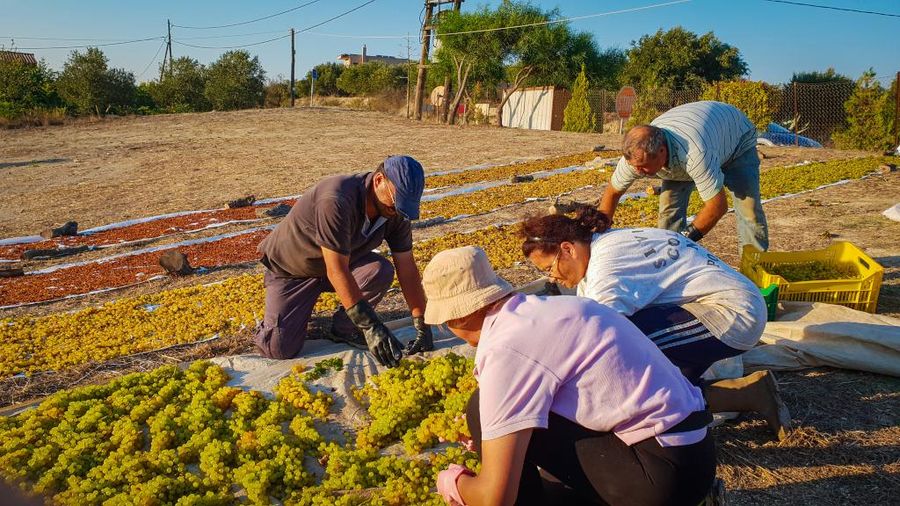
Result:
x=426 y=43
x=169 y=46
x=448 y=85
x=897 y=111
x=293 y=63
x=407 y=75
x=427 y=28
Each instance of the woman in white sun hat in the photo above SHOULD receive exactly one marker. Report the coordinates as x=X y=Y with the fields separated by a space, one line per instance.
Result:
x=571 y=386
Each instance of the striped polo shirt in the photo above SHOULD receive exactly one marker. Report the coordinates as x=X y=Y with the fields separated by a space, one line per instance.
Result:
x=702 y=138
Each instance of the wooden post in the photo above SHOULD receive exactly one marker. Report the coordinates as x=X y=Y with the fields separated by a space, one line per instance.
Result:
x=897 y=112
x=293 y=63
x=423 y=59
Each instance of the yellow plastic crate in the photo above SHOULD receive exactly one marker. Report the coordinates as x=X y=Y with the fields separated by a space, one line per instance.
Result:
x=858 y=293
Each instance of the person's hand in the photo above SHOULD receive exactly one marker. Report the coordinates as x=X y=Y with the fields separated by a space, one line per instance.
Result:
x=446 y=483
x=386 y=349
x=424 y=341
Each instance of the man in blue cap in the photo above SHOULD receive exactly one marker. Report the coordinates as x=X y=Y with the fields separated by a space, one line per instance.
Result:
x=326 y=243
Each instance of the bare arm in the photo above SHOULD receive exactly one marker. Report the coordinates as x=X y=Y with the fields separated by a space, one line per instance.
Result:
x=711 y=212
x=609 y=201
x=501 y=468
x=337 y=268
x=410 y=282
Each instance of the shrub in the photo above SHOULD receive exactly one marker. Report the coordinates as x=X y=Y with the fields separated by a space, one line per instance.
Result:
x=756 y=99
x=91 y=86
x=578 y=116
x=181 y=87
x=235 y=81
x=649 y=104
x=278 y=94
x=868 y=121
x=371 y=78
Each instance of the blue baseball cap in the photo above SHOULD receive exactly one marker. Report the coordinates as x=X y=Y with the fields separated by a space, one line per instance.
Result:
x=408 y=178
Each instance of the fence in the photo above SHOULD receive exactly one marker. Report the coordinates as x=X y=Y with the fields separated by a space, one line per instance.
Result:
x=813 y=110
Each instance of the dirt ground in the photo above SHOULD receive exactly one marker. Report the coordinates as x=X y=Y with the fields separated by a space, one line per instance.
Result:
x=123 y=168
x=845 y=449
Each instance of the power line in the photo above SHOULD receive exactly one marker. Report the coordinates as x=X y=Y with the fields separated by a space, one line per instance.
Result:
x=233 y=35
x=270 y=16
x=829 y=7
x=233 y=47
x=351 y=36
x=153 y=60
x=67 y=39
x=283 y=36
x=93 y=45
x=329 y=20
x=540 y=23
x=566 y=20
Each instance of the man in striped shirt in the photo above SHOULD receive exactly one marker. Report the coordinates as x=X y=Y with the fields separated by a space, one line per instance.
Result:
x=708 y=145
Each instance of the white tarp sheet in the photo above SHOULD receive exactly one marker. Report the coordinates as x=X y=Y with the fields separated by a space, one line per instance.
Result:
x=816 y=334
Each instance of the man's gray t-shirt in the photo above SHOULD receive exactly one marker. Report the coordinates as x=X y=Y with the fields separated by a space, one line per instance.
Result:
x=702 y=137
x=330 y=215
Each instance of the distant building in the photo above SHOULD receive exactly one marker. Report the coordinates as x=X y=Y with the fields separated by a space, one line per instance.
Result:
x=356 y=59
x=27 y=58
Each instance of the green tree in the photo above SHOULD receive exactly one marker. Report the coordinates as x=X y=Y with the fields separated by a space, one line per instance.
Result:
x=678 y=58
x=181 y=87
x=90 y=86
x=24 y=87
x=756 y=99
x=578 y=114
x=235 y=81
x=815 y=76
x=326 y=83
x=370 y=78
x=868 y=124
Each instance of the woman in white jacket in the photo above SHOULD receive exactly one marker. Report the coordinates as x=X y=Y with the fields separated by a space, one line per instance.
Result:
x=693 y=306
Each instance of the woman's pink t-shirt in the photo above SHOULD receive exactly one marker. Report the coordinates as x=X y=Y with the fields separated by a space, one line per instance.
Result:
x=583 y=361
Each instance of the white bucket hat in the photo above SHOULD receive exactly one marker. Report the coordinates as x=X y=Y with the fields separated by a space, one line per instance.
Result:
x=459 y=282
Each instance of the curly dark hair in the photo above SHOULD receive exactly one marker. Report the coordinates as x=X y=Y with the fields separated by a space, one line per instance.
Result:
x=546 y=233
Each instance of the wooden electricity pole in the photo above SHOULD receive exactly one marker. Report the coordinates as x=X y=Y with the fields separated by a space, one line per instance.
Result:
x=897 y=112
x=293 y=63
x=448 y=86
x=423 y=59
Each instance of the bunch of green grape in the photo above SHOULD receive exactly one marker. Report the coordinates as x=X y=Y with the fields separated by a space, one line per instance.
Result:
x=401 y=399
x=170 y=436
x=814 y=270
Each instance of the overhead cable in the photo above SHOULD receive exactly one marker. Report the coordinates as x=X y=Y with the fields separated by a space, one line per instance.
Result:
x=830 y=7
x=229 y=25
x=232 y=47
x=540 y=23
x=278 y=38
x=329 y=20
x=94 y=45
x=153 y=60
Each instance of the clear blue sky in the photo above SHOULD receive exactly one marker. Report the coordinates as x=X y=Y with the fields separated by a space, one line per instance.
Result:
x=775 y=39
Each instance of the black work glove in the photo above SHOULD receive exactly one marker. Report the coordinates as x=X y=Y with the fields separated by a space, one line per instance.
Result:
x=692 y=233
x=386 y=349
x=424 y=340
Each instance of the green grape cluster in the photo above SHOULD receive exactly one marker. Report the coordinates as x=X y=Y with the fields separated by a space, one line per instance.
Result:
x=814 y=271
x=399 y=400
x=169 y=436
x=292 y=390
